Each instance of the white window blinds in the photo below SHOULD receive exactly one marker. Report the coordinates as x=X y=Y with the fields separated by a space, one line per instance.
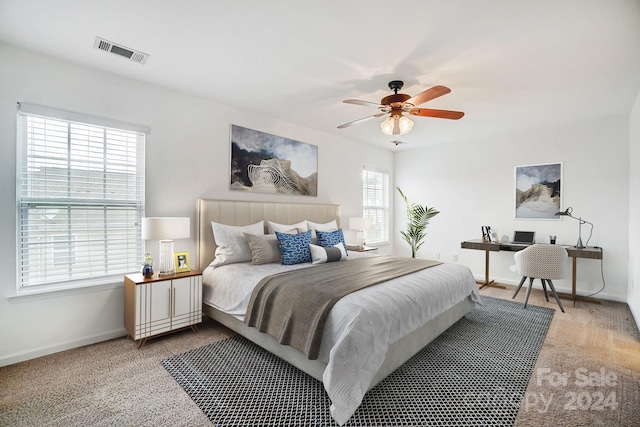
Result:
x=375 y=205
x=80 y=188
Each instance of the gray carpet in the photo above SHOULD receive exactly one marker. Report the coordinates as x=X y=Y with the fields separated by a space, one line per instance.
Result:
x=475 y=373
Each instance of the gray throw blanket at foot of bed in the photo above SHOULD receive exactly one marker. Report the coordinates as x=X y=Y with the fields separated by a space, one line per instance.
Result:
x=293 y=306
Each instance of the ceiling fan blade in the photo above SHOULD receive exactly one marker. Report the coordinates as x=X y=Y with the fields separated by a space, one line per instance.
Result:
x=442 y=114
x=358 y=102
x=355 y=122
x=428 y=95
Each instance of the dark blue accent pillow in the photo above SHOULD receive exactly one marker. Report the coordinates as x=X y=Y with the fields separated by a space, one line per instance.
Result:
x=328 y=239
x=294 y=247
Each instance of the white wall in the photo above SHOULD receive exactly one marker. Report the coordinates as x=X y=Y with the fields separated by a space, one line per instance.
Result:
x=633 y=298
x=187 y=157
x=472 y=184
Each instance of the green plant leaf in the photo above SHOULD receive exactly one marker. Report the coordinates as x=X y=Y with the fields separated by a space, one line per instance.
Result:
x=418 y=217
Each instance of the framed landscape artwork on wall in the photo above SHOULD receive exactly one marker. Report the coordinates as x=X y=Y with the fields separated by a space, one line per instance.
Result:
x=265 y=163
x=538 y=192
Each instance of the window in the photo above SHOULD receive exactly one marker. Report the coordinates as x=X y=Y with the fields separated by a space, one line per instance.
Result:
x=375 y=205
x=80 y=188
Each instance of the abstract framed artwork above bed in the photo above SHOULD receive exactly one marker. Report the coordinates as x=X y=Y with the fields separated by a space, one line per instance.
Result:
x=265 y=163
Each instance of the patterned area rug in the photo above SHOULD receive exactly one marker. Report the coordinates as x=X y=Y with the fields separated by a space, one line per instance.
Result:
x=475 y=373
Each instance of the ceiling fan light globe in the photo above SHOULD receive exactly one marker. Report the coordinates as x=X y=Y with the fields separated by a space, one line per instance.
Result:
x=396 y=125
x=387 y=125
x=405 y=124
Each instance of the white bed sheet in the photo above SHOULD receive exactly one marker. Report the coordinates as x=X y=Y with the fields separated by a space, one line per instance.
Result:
x=361 y=325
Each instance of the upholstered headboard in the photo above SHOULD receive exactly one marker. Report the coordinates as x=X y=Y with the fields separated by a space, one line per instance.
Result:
x=232 y=212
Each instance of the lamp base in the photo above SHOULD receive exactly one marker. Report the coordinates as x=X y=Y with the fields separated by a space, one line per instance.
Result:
x=360 y=239
x=166 y=267
x=579 y=245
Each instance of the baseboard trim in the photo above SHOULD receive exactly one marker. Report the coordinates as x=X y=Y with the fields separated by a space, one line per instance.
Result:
x=11 y=359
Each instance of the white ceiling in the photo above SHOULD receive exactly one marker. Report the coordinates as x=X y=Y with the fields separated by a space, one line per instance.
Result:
x=511 y=64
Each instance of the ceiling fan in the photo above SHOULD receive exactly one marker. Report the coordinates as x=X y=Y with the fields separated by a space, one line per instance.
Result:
x=398 y=103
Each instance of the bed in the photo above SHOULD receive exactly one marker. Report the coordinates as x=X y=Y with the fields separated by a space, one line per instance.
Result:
x=346 y=367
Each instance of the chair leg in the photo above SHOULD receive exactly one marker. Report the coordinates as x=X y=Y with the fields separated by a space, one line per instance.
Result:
x=528 y=291
x=519 y=286
x=544 y=288
x=555 y=294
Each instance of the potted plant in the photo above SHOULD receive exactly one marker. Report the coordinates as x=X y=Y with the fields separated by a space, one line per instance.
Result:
x=418 y=218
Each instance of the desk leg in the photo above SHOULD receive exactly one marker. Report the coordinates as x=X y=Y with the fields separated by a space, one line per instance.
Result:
x=488 y=282
x=574 y=273
x=573 y=296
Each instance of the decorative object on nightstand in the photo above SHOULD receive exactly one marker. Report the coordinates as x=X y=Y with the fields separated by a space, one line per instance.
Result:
x=360 y=225
x=181 y=260
x=567 y=212
x=165 y=229
x=147 y=267
x=161 y=304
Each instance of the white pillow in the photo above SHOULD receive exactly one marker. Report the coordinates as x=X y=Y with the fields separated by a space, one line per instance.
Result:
x=272 y=227
x=232 y=246
x=328 y=226
x=320 y=255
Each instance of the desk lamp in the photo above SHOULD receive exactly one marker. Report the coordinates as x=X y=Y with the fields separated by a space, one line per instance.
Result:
x=165 y=229
x=567 y=212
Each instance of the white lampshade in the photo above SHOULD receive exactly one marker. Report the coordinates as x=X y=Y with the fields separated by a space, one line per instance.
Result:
x=396 y=125
x=165 y=229
x=360 y=224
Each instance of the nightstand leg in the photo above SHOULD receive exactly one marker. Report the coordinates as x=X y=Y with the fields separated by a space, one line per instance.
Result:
x=141 y=343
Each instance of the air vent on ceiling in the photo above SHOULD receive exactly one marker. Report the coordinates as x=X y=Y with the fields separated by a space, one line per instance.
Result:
x=125 y=52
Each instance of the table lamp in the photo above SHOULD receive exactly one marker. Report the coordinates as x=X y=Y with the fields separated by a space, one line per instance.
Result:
x=165 y=229
x=361 y=225
x=567 y=212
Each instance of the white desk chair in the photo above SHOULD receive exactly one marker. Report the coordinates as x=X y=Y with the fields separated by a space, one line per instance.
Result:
x=544 y=262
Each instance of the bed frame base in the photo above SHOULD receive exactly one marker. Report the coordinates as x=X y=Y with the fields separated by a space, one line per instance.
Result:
x=397 y=354
x=236 y=212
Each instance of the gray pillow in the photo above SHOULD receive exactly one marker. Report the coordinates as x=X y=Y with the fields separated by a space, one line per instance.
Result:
x=264 y=248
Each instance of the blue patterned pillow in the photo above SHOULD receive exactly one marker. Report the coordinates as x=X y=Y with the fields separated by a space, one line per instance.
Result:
x=328 y=239
x=294 y=247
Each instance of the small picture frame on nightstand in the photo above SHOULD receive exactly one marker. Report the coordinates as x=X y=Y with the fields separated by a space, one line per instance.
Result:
x=181 y=260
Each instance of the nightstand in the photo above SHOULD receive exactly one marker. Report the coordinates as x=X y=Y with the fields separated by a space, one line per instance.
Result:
x=161 y=304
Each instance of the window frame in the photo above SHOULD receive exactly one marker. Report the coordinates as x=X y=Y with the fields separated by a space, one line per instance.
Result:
x=112 y=199
x=383 y=225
